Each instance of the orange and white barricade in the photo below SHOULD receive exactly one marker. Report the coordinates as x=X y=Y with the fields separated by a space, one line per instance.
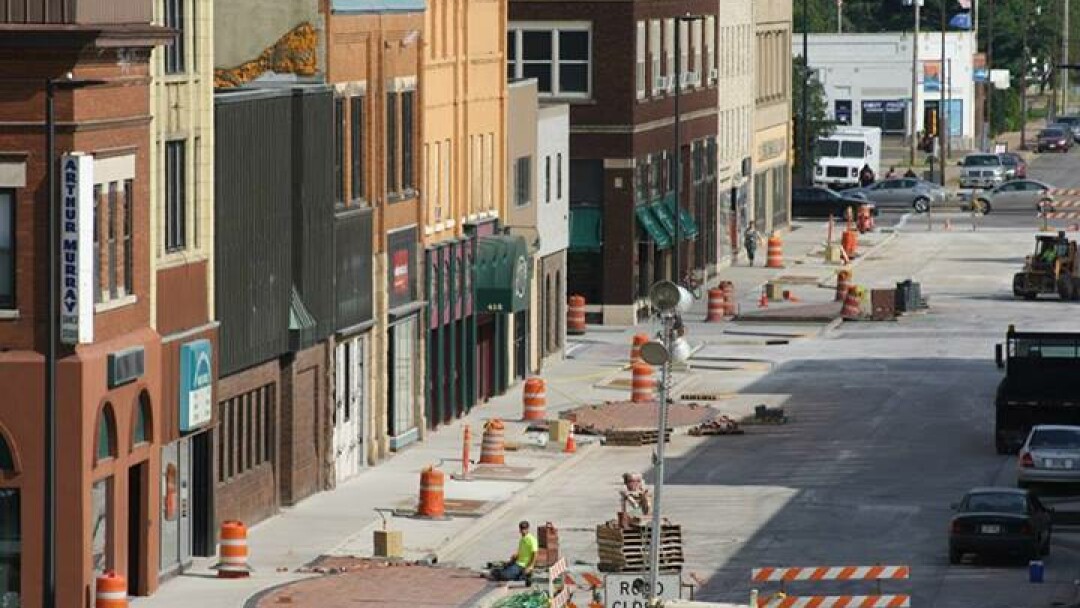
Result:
x=815 y=574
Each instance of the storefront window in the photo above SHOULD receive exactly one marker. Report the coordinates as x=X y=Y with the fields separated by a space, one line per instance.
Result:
x=101 y=515
x=106 y=441
x=141 y=434
x=402 y=416
x=10 y=545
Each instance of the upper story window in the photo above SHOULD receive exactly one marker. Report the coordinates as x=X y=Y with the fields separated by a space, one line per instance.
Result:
x=175 y=195
x=114 y=255
x=339 y=150
x=639 y=66
x=7 y=248
x=400 y=124
x=174 y=52
x=357 y=132
x=523 y=181
x=557 y=56
x=654 y=57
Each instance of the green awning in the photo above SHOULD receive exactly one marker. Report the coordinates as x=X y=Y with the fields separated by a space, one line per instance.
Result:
x=652 y=226
x=586 y=229
x=687 y=224
x=666 y=219
x=502 y=273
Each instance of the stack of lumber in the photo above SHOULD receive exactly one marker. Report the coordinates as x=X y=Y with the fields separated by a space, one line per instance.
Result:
x=626 y=549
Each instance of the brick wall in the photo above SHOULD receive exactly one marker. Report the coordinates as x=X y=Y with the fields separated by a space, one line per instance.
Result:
x=305 y=418
x=250 y=496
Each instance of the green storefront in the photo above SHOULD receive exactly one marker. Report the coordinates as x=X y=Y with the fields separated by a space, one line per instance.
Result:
x=503 y=280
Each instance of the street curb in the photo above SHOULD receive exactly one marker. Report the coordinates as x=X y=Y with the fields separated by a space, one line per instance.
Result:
x=449 y=550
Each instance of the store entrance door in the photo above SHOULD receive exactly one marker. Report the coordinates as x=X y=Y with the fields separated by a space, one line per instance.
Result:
x=137 y=523
x=349 y=409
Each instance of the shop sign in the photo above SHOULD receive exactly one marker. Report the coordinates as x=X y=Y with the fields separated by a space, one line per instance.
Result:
x=401 y=272
x=76 y=240
x=771 y=149
x=401 y=261
x=196 y=385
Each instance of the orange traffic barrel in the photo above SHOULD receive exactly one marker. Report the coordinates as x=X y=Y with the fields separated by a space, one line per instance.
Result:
x=843 y=281
x=432 y=503
x=643 y=383
x=493 y=446
x=775 y=257
x=575 y=316
x=635 y=347
x=716 y=306
x=234 y=550
x=729 y=298
x=852 y=307
x=111 y=591
x=850 y=242
x=534 y=399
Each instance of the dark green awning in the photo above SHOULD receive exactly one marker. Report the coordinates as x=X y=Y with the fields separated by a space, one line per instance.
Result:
x=586 y=229
x=687 y=224
x=502 y=273
x=652 y=226
x=299 y=316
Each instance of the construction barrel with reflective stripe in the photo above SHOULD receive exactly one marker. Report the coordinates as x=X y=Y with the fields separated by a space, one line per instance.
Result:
x=110 y=591
x=432 y=502
x=534 y=399
x=233 y=550
x=493 y=445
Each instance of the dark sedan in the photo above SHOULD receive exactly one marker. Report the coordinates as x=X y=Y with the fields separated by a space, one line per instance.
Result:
x=999 y=521
x=821 y=202
x=1057 y=139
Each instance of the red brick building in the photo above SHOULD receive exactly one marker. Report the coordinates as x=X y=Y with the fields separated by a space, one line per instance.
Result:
x=109 y=398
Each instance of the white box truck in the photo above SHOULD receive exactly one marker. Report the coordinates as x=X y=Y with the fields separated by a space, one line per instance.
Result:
x=843 y=154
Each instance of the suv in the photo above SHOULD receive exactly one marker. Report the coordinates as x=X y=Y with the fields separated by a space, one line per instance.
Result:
x=1073 y=122
x=981 y=171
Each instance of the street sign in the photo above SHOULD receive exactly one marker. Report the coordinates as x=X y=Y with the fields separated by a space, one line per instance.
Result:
x=632 y=590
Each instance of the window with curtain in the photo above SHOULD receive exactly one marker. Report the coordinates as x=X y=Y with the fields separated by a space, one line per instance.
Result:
x=357 y=132
x=7 y=248
x=10 y=546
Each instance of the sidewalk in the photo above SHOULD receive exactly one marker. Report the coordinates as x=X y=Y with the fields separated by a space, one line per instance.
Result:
x=341 y=522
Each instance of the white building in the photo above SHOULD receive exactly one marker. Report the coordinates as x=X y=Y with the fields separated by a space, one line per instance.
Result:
x=867 y=80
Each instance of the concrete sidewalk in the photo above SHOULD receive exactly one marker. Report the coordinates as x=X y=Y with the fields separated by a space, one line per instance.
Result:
x=341 y=522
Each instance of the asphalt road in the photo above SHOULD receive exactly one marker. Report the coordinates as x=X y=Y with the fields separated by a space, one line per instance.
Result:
x=890 y=423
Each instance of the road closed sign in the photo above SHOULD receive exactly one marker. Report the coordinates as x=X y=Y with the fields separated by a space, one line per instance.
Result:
x=632 y=590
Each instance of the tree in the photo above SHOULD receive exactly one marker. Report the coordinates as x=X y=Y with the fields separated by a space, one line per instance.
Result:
x=817 y=121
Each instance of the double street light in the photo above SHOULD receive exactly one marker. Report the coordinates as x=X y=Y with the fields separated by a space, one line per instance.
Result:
x=670 y=301
x=48 y=579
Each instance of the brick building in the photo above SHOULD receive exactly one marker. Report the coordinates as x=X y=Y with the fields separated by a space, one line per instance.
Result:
x=110 y=408
x=622 y=137
x=373 y=63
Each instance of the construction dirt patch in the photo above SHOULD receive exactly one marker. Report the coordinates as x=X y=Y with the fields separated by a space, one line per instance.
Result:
x=349 y=581
x=627 y=415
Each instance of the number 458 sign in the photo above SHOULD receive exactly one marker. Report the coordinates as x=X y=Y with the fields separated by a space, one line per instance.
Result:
x=632 y=590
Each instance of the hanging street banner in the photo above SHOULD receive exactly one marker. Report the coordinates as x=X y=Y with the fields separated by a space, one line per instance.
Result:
x=76 y=248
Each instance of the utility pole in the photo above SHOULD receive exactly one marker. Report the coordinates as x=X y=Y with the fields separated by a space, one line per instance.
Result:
x=804 y=114
x=1064 y=72
x=914 y=82
x=678 y=149
x=1023 y=79
x=943 y=124
x=839 y=16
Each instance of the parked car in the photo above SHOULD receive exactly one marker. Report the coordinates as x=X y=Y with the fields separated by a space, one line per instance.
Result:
x=1073 y=123
x=981 y=171
x=1015 y=165
x=1051 y=454
x=822 y=202
x=1055 y=139
x=1019 y=195
x=1000 y=520
x=903 y=193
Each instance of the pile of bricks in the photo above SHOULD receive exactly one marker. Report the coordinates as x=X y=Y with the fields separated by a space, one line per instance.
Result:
x=626 y=549
x=548 y=538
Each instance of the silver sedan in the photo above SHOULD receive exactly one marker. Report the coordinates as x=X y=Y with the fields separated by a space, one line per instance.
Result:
x=1051 y=454
x=1020 y=195
x=903 y=193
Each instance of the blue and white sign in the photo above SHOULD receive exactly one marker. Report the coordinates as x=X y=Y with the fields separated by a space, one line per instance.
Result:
x=196 y=380
x=76 y=248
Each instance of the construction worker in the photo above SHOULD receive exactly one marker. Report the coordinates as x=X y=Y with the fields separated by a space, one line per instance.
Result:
x=519 y=566
x=636 y=500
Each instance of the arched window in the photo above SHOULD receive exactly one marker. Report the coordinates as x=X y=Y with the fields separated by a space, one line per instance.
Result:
x=106 y=433
x=7 y=460
x=143 y=429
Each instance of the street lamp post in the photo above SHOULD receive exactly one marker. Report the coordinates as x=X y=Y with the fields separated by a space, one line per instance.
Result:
x=943 y=122
x=804 y=111
x=914 y=82
x=48 y=578
x=670 y=301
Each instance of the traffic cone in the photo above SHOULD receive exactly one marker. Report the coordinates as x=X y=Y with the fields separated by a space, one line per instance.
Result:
x=763 y=301
x=571 y=444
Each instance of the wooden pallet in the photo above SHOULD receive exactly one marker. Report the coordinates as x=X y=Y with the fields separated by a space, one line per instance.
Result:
x=634 y=437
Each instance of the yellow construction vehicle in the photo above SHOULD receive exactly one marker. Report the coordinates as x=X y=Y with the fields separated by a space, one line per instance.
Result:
x=1052 y=268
